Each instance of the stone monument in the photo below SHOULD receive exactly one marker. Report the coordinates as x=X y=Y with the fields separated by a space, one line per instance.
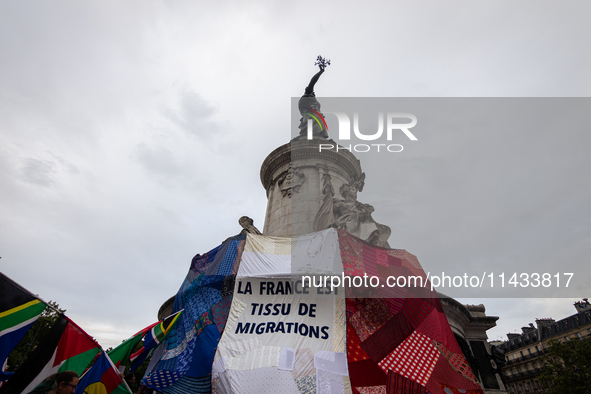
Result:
x=300 y=181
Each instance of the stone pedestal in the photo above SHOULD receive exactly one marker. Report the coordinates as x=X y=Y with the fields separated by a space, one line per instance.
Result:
x=292 y=176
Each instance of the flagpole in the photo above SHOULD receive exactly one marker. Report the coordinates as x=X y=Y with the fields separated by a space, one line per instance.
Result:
x=116 y=370
x=173 y=314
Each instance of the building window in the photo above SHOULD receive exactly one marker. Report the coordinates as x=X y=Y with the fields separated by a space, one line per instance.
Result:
x=529 y=350
x=537 y=349
x=579 y=335
x=566 y=338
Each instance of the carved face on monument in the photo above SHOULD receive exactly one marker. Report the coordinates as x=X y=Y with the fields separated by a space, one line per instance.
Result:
x=349 y=192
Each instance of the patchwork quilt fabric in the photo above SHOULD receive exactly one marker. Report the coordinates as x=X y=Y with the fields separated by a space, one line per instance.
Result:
x=251 y=323
x=399 y=343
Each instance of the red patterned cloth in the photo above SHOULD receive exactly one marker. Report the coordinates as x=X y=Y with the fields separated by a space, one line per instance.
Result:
x=453 y=390
x=398 y=384
x=372 y=390
x=399 y=341
x=456 y=361
x=414 y=358
x=370 y=317
x=354 y=351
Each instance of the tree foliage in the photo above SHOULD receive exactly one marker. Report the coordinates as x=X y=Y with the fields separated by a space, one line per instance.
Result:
x=567 y=367
x=34 y=335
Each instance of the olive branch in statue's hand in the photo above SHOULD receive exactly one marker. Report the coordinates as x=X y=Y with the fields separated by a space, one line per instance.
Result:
x=322 y=63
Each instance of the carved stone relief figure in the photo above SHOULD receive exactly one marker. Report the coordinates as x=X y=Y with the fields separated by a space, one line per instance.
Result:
x=325 y=216
x=290 y=181
x=355 y=218
x=349 y=214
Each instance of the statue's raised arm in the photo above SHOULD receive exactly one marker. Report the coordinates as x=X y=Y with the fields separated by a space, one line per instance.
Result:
x=322 y=63
x=310 y=107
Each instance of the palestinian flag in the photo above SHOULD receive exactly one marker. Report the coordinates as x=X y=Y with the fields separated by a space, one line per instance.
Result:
x=120 y=355
x=102 y=378
x=18 y=311
x=153 y=338
x=65 y=348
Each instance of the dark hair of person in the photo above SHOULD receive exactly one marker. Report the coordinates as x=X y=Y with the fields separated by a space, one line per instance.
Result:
x=53 y=381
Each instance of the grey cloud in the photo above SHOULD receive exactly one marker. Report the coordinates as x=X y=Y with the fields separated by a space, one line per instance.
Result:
x=194 y=115
x=39 y=172
x=157 y=160
x=68 y=165
x=172 y=168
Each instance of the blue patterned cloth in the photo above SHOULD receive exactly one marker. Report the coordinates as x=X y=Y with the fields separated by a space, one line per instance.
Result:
x=185 y=365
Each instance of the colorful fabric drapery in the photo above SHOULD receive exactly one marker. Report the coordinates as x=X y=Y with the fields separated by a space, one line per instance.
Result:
x=183 y=362
x=399 y=341
x=252 y=326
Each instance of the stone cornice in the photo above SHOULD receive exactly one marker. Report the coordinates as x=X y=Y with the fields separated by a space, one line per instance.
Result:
x=306 y=149
x=462 y=310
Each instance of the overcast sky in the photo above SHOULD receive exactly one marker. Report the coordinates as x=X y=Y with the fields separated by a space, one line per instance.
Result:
x=132 y=134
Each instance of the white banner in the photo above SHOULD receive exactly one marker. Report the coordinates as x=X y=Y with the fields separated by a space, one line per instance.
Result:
x=280 y=336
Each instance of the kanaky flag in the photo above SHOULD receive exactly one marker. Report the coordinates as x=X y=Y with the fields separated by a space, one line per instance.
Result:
x=102 y=378
x=65 y=348
x=120 y=355
x=153 y=338
x=18 y=311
